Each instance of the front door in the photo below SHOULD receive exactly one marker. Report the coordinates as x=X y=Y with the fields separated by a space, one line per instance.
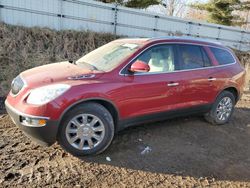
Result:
x=154 y=91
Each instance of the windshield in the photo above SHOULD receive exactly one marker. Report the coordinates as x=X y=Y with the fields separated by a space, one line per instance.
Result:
x=108 y=57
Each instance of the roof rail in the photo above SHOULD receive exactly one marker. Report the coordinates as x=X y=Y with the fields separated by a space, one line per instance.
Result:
x=186 y=38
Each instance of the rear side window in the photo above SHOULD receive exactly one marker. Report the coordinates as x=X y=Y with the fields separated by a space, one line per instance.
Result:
x=223 y=57
x=193 y=56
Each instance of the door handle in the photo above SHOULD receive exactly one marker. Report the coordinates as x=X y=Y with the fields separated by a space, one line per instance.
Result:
x=211 y=79
x=171 y=84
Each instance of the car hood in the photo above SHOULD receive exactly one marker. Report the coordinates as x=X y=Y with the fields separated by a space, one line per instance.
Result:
x=56 y=72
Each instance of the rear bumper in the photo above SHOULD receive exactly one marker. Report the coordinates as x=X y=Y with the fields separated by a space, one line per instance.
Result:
x=44 y=135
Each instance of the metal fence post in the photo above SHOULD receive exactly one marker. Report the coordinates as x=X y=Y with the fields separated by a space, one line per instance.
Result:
x=156 y=25
x=61 y=13
x=241 y=39
x=115 y=17
x=218 y=36
x=189 y=28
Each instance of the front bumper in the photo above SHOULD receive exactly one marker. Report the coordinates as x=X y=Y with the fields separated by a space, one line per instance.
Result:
x=44 y=135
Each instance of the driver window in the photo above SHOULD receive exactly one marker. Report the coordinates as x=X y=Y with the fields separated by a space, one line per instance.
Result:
x=159 y=58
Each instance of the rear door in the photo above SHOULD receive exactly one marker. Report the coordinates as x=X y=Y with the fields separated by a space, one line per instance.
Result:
x=197 y=76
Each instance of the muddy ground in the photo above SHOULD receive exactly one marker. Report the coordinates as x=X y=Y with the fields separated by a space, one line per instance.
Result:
x=182 y=152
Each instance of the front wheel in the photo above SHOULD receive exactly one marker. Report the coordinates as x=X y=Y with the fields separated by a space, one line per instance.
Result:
x=86 y=129
x=222 y=109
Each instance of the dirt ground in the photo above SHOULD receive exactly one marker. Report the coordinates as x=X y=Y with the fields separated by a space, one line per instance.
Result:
x=183 y=152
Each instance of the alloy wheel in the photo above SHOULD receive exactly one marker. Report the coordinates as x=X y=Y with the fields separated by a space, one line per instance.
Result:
x=224 y=108
x=85 y=131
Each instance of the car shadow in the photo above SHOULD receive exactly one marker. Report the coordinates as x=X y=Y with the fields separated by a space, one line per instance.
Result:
x=185 y=146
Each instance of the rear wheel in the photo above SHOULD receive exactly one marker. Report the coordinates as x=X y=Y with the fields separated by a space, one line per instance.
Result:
x=86 y=129
x=222 y=109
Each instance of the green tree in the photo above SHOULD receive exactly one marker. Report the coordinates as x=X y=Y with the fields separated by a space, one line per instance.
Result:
x=221 y=11
x=134 y=3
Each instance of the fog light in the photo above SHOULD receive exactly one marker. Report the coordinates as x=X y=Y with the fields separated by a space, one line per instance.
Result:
x=32 y=121
x=41 y=122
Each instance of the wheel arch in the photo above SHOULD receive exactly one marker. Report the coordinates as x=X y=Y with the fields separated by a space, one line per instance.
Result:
x=109 y=105
x=233 y=90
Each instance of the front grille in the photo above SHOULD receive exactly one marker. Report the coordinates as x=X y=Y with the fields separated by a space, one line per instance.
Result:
x=16 y=85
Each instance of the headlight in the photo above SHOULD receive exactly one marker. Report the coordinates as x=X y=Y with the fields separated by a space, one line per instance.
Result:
x=45 y=94
x=17 y=85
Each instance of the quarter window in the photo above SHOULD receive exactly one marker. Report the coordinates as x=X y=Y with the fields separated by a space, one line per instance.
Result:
x=192 y=57
x=159 y=58
x=223 y=57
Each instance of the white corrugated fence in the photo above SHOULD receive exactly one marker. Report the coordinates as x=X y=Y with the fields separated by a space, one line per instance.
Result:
x=101 y=17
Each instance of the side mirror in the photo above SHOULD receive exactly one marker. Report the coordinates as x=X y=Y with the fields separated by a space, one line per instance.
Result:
x=139 y=66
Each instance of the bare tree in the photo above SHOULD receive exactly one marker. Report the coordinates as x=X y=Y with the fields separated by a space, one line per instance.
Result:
x=174 y=7
x=244 y=15
x=195 y=14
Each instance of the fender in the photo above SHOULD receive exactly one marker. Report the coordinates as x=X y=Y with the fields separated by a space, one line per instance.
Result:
x=86 y=100
x=226 y=88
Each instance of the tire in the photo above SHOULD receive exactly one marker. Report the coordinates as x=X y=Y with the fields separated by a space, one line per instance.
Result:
x=79 y=122
x=213 y=115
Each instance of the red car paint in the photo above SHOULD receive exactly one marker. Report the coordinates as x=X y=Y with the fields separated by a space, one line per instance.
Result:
x=131 y=95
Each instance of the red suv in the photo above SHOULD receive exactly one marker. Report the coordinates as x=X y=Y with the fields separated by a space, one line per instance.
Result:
x=125 y=82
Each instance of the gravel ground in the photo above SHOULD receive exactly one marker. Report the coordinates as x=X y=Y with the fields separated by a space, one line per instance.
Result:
x=180 y=152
